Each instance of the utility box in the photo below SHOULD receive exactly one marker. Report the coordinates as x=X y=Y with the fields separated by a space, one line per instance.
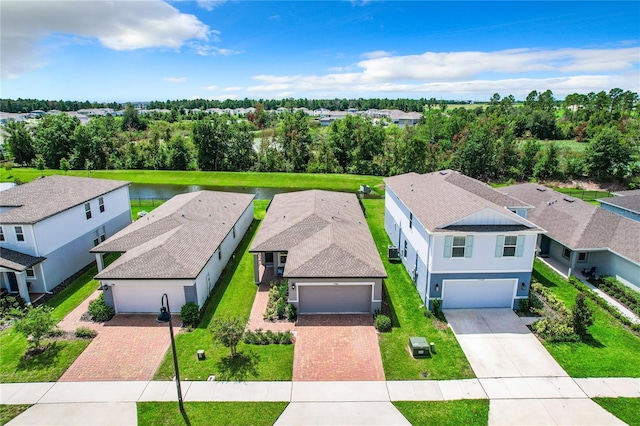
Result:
x=392 y=253
x=419 y=347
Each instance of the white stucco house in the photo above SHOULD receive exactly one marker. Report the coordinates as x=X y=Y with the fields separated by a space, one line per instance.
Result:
x=180 y=248
x=48 y=226
x=581 y=236
x=460 y=240
x=320 y=242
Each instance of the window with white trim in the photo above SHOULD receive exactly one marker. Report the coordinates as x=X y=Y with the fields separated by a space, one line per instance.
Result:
x=404 y=251
x=410 y=220
x=458 y=246
x=283 y=259
x=220 y=253
x=87 y=210
x=510 y=245
x=233 y=230
x=101 y=204
x=19 y=233
x=31 y=273
x=101 y=236
x=1 y=234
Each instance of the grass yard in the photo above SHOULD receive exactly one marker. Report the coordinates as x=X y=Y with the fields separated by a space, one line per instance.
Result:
x=210 y=413
x=612 y=350
x=626 y=409
x=146 y=205
x=9 y=412
x=588 y=196
x=569 y=145
x=47 y=366
x=335 y=182
x=232 y=296
x=442 y=413
x=449 y=362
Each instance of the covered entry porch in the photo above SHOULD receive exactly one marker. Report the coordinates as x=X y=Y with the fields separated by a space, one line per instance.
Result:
x=18 y=275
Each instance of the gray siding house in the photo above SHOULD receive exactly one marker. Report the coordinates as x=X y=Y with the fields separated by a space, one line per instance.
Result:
x=625 y=203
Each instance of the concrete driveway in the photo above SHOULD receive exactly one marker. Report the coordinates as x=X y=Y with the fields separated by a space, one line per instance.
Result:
x=498 y=344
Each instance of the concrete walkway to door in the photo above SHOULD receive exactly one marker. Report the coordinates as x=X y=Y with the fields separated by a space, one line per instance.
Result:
x=336 y=348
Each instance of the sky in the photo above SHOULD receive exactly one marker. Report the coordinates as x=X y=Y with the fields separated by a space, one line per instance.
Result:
x=126 y=50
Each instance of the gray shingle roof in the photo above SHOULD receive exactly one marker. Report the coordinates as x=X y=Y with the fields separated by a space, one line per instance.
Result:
x=627 y=202
x=47 y=196
x=177 y=239
x=442 y=198
x=17 y=261
x=578 y=224
x=325 y=234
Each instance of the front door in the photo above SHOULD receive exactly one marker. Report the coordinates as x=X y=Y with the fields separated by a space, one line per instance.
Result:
x=13 y=282
x=268 y=259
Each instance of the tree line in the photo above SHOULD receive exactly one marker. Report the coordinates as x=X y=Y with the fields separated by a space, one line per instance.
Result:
x=503 y=140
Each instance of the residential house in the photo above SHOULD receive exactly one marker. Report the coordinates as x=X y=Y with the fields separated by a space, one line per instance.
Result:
x=581 y=236
x=180 y=248
x=48 y=226
x=624 y=203
x=320 y=242
x=461 y=241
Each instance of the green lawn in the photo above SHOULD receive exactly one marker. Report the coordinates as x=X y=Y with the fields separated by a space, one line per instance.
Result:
x=335 y=182
x=612 y=350
x=589 y=196
x=449 y=361
x=210 y=413
x=8 y=412
x=45 y=367
x=146 y=205
x=442 y=413
x=626 y=409
x=232 y=296
x=569 y=145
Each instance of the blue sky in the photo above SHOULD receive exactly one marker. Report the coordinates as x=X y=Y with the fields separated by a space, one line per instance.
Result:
x=155 y=50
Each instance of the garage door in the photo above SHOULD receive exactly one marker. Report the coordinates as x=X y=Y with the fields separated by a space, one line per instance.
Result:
x=316 y=299
x=478 y=293
x=141 y=299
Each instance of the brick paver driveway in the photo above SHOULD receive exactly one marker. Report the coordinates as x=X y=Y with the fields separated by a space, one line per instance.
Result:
x=336 y=348
x=129 y=347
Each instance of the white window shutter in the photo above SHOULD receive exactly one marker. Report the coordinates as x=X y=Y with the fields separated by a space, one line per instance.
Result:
x=499 y=245
x=520 y=245
x=468 y=246
x=448 y=244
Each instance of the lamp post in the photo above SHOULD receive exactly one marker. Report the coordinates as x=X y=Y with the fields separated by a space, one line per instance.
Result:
x=165 y=316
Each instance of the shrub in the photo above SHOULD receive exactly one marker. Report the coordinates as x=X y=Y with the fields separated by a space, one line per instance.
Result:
x=291 y=312
x=582 y=316
x=277 y=307
x=85 y=333
x=382 y=323
x=258 y=337
x=36 y=324
x=99 y=311
x=555 y=330
x=523 y=305
x=228 y=332
x=12 y=306
x=436 y=307
x=190 y=314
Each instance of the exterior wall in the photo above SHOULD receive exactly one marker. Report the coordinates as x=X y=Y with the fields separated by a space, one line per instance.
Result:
x=28 y=246
x=620 y=211
x=555 y=251
x=71 y=257
x=376 y=299
x=625 y=271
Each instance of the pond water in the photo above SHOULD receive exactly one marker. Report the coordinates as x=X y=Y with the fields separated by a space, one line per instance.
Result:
x=166 y=191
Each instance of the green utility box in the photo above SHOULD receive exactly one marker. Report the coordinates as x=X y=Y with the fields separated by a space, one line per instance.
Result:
x=419 y=347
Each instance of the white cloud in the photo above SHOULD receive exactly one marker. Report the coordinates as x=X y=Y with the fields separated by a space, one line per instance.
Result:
x=233 y=88
x=207 y=50
x=116 y=25
x=175 y=79
x=376 y=54
x=210 y=4
x=210 y=88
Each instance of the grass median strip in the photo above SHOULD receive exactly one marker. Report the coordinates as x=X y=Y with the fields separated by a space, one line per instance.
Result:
x=9 y=412
x=626 y=409
x=443 y=413
x=210 y=413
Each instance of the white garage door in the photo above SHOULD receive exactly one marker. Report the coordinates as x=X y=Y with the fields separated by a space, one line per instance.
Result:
x=315 y=299
x=142 y=299
x=464 y=294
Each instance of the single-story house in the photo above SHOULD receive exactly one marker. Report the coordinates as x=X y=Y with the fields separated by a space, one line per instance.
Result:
x=461 y=241
x=320 y=242
x=624 y=203
x=48 y=226
x=581 y=236
x=180 y=249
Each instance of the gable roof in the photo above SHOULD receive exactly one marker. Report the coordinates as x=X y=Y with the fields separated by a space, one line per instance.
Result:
x=324 y=232
x=577 y=224
x=177 y=239
x=627 y=202
x=50 y=195
x=441 y=199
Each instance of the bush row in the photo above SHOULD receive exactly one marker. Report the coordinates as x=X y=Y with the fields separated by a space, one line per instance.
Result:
x=622 y=293
x=556 y=328
x=259 y=337
x=277 y=307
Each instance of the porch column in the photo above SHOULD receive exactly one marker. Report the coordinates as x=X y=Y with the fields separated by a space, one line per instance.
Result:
x=572 y=263
x=256 y=268
x=99 y=262
x=21 y=277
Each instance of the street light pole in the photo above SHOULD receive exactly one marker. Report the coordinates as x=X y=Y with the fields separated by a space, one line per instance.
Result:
x=165 y=316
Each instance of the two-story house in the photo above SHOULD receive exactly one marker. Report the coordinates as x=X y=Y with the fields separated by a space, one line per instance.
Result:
x=48 y=226
x=461 y=241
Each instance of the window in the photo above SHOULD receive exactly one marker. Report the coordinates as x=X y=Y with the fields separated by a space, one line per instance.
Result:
x=566 y=253
x=582 y=257
x=19 y=233
x=1 y=234
x=283 y=259
x=410 y=220
x=101 y=235
x=405 y=249
x=458 y=246
x=87 y=210
x=510 y=243
x=220 y=253
x=30 y=273
x=101 y=204
x=233 y=230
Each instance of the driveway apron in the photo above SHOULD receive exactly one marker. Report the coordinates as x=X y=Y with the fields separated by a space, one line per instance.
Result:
x=336 y=348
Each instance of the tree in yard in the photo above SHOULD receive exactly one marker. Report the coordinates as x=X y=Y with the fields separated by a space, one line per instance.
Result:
x=40 y=165
x=19 y=142
x=582 y=316
x=36 y=324
x=228 y=332
x=64 y=165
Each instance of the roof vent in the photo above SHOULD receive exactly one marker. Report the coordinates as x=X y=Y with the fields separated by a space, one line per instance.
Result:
x=569 y=200
x=442 y=172
x=541 y=189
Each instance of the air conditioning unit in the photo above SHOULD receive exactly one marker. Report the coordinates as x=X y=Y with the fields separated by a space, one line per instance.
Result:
x=393 y=253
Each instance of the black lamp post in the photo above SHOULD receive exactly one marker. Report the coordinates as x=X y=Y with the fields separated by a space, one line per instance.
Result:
x=165 y=316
